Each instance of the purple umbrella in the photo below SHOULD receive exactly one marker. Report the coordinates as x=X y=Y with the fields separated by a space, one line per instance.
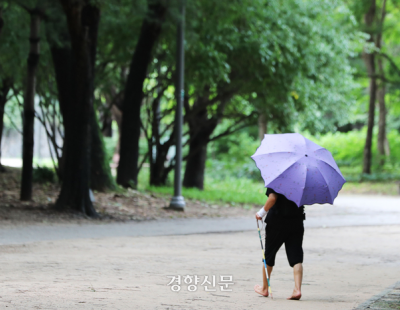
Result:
x=296 y=167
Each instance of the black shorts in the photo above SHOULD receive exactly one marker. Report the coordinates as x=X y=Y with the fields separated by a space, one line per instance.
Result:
x=284 y=231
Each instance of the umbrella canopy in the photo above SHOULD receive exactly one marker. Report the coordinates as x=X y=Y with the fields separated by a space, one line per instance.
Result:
x=298 y=168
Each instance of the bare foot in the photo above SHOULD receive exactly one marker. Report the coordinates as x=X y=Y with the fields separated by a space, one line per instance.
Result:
x=258 y=289
x=295 y=296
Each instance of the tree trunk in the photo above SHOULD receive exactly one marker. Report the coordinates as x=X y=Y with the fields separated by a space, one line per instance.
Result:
x=106 y=124
x=382 y=125
x=369 y=59
x=130 y=132
x=62 y=62
x=75 y=186
x=262 y=126
x=196 y=162
x=371 y=116
x=387 y=146
x=29 y=108
x=5 y=88
x=200 y=129
x=100 y=172
x=382 y=140
x=158 y=151
x=158 y=171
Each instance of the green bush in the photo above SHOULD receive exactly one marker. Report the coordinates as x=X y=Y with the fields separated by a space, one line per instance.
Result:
x=221 y=170
x=43 y=175
x=347 y=148
x=235 y=149
x=373 y=177
x=109 y=144
x=230 y=157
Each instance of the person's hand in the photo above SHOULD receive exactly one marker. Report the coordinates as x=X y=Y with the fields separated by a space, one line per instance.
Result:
x=258 y=217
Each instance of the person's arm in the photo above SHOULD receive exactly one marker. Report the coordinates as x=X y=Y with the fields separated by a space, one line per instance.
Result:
x=268 y=205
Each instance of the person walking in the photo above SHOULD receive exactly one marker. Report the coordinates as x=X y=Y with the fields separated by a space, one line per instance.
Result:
x=296 y=172
x=284 y=226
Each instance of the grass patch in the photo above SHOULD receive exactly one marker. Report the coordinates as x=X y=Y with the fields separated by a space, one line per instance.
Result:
x=369 y=188
x=247 y=191
x=234 y=191
x=228 y=190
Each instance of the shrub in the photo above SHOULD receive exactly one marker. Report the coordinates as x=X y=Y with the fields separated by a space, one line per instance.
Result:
x=347 y=148
x=43 y=175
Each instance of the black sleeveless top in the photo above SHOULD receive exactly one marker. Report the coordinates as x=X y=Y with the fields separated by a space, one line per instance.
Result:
x=284 y=208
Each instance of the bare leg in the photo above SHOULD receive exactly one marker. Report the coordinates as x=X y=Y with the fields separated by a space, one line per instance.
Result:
x=298 y=278
x=263 y=290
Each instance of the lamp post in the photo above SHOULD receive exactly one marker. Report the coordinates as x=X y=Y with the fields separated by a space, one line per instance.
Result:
x=177 y=201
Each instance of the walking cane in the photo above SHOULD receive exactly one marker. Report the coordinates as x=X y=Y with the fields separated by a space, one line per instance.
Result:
x=265 y=263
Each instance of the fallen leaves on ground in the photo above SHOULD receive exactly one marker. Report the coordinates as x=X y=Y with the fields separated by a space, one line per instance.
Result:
x=124 y=205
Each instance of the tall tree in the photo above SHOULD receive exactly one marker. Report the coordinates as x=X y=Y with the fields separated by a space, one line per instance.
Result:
x=100 y=172
x=369 y=59
x=75 y=186
x=29 y=105
x=158 y=149
x=201 y=127
x=62 y=63
x=59 y=40
x=130 y=132
x=280 y=67
x=13 y=50
x=382 y=139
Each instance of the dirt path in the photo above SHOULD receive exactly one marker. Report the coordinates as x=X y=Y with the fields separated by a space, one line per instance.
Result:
x=344 y=266
x=123 y=205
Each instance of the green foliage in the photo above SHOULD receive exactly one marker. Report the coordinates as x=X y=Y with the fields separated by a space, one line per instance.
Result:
x=230 y=156
x=14 y=44
x=347 y=148
x=43 y=175
x=118 y=32
x=388 y=54
x=372 y=188
x=245 y=191
x=322 y=88
x=109 y=144
x=292 y=60
x=235 y=148
x=230 y=190
x=374 y=177
x=289 y=59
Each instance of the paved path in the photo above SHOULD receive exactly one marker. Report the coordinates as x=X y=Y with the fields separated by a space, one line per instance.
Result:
x=351 y=254
x=344 y=266
x=347 y=211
